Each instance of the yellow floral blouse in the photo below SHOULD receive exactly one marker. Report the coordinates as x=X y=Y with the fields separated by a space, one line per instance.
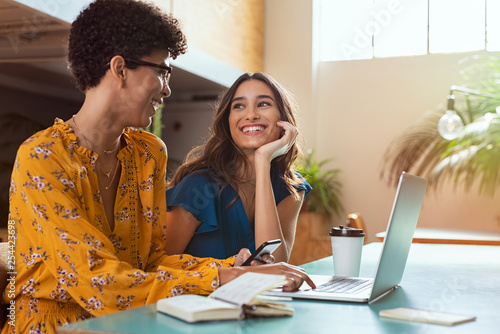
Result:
x=70 y=265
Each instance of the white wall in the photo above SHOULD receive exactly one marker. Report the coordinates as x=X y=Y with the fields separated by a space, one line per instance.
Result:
x=352 y=110
x=288 y=56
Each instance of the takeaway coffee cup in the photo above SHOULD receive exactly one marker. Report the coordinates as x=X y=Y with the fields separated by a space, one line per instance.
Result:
x=347 y=244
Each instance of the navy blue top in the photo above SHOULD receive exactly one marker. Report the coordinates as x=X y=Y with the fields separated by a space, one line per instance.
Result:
x=224 y=229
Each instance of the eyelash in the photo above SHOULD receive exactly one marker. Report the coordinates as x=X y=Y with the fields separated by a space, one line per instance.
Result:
x=239 y=105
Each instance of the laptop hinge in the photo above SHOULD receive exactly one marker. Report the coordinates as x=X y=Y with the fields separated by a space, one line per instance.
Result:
x=383 y=295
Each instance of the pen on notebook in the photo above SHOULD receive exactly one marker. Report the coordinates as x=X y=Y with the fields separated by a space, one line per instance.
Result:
x=249 y=307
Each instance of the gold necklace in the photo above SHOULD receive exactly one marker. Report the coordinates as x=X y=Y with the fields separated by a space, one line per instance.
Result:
x=115 y=168
x=114 y=174
x=85 y=137
x=115 y=164
x=102 y=169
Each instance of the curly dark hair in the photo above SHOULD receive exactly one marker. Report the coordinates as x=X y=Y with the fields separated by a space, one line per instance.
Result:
x=132 y=29
x=221 y=153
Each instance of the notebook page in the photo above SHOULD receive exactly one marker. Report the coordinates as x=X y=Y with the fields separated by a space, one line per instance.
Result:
x=242 y=290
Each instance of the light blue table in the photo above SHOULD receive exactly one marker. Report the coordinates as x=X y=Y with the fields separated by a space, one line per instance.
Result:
x=463 y=279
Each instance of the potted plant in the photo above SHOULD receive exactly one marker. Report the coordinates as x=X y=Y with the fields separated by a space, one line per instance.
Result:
x=325 y=197
x=323 y=202
x=470 y=157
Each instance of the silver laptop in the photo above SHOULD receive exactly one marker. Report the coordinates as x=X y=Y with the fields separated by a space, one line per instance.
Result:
x=399 y=235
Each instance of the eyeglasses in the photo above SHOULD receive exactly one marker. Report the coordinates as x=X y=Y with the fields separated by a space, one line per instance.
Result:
x=165 y=73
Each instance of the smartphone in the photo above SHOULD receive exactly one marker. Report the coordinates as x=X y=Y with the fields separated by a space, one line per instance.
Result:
x=266 y=248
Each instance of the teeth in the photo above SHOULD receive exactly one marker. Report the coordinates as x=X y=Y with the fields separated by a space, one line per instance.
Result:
x=253 y=129
x=155 y=104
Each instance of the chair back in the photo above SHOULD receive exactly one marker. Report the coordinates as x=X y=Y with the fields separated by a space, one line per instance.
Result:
x=356 y=220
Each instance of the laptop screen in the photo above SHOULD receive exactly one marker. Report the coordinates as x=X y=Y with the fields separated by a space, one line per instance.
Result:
x=399 y=234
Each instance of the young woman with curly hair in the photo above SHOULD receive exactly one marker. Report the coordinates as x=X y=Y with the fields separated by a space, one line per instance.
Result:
x=87 y=195
x=240 y=189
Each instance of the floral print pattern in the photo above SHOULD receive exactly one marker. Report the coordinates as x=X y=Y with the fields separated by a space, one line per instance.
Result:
x=69 y=262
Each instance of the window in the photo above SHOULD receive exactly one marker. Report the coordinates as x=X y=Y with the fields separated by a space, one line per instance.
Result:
x=365 y=29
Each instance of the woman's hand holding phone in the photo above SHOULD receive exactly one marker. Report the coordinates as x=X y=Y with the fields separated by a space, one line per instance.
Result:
x=263 y=253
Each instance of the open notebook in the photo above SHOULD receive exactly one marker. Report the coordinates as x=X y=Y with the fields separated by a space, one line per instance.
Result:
x=399 y=234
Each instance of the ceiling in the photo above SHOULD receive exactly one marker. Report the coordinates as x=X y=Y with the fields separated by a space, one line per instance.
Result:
x=33 y=51
x=27 y=34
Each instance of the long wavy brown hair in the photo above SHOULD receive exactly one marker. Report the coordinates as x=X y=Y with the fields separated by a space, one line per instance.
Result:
x=225 y=157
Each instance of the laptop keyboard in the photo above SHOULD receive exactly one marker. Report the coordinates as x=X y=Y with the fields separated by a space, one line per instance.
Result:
x=344 y=285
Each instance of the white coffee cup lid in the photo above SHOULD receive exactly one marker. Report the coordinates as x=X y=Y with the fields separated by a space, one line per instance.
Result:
x=342 y=231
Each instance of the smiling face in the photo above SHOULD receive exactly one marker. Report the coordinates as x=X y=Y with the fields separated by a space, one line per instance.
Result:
x=146 y=89
x=253 y=116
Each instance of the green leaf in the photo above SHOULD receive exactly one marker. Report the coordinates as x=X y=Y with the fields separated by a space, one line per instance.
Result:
x=325 y=196
x=473 y=157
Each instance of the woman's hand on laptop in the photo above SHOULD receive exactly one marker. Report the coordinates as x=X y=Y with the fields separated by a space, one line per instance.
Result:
x=295 y=276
